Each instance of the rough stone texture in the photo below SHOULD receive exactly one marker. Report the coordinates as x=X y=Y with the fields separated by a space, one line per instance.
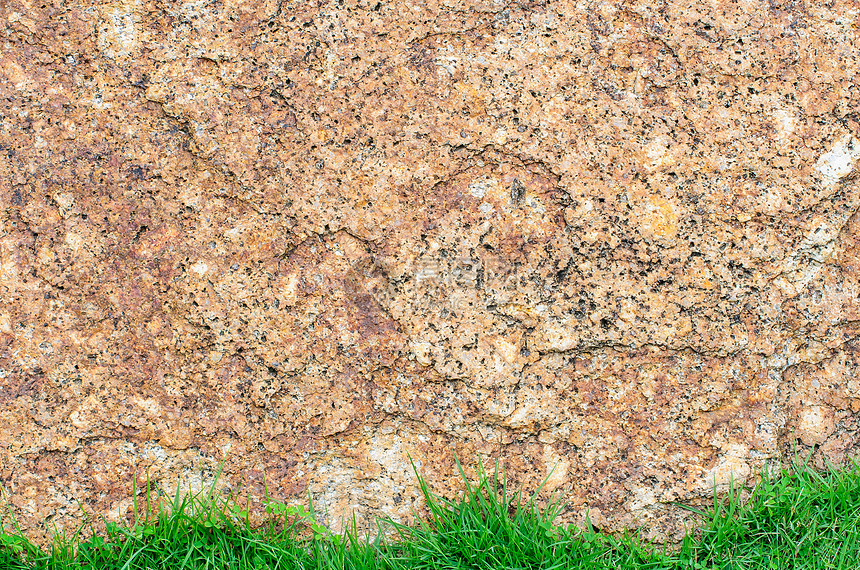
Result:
x=313 y=239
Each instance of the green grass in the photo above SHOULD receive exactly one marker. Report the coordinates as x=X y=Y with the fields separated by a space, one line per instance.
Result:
x=797 y=519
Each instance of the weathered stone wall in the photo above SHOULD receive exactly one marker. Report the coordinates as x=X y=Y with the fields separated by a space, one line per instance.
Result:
x=312 y=239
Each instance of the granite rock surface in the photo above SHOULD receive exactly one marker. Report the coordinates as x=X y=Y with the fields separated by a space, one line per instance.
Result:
x=615 y=244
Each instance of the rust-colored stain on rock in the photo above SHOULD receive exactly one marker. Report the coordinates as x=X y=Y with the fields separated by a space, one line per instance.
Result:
x=612 y=243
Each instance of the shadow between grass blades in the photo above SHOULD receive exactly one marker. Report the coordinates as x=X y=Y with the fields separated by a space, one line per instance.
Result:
x=797 y=518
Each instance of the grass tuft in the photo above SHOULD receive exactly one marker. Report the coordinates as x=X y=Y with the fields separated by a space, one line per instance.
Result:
x=792 y=519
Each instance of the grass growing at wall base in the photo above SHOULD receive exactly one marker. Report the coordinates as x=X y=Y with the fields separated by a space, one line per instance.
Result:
x=798 y=519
